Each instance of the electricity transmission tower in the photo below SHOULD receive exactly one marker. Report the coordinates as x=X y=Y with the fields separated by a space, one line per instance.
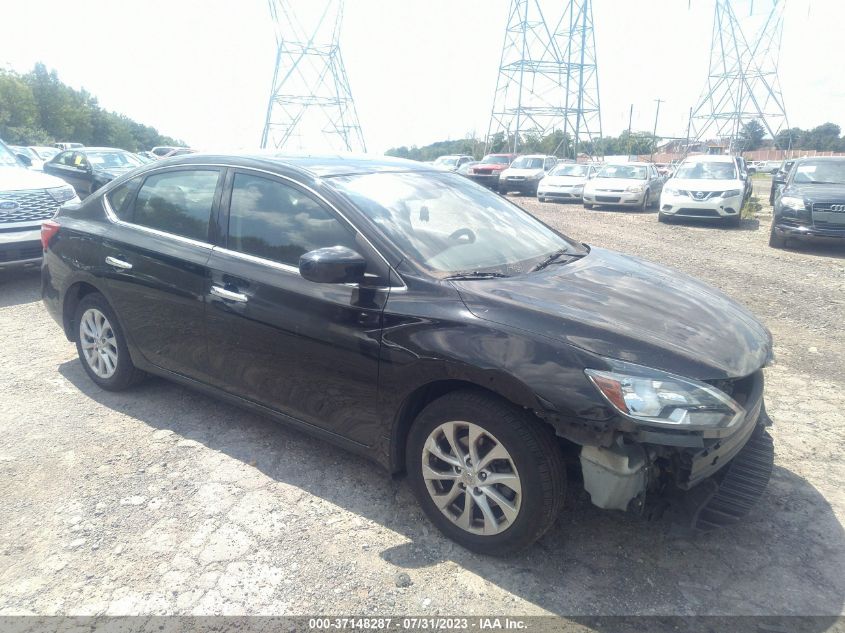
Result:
x=548 y=77
x=310 y=105
x=743 y=83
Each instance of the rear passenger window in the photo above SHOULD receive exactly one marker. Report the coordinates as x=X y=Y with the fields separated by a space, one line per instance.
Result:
x=119 y=198
x=275 y=221
x=177 y=202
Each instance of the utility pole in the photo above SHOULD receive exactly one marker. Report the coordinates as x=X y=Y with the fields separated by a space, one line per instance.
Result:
x=310 y=96
x=548 y=76
x=742 y=81
x=630 y=118
x=654 y=133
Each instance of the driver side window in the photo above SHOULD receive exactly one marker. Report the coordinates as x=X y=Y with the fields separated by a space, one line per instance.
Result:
x=275 y=221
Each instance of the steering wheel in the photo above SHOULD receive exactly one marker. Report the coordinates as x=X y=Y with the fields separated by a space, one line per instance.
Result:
x=463 y=233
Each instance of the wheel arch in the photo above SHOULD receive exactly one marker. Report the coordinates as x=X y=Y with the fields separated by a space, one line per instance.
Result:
x=73 y=295
x=420 y=397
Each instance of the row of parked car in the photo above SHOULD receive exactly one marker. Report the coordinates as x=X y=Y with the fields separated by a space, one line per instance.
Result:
x=700 y=186
x=36 y=180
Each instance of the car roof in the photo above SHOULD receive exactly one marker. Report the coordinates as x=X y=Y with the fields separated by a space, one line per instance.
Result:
x=824 y=159
x=634 y=163
x=536 y=156
x=317 y=165
x=711 y=158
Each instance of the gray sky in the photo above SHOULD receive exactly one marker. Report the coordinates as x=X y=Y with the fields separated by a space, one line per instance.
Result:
x=420 y=70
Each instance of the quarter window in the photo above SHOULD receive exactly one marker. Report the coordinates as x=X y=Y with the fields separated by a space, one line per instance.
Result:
x=275 y=221
x=119 y=198
x=177 y=202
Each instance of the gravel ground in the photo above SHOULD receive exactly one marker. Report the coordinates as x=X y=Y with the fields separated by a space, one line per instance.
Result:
x=160 y=500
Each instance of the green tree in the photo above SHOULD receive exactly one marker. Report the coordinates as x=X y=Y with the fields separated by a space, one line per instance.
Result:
x=37 y=108
x=751 y=136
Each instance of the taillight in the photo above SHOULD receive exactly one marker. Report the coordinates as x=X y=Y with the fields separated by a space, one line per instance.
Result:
x=48 y=229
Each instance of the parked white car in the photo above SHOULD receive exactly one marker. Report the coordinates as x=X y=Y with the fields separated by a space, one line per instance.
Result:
x=27 y=198
x=525 y=173
x=452 y=162
x=705 y=187
x=625 y=185
x=566 y=182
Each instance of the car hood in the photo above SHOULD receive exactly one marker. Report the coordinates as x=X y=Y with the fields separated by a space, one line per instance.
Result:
x=21 y=179
x=615 y=183
x=623 y=307
x=564 y=180
x=525 y=173
x=490 y=166
x=817 y=193
x=698 y=184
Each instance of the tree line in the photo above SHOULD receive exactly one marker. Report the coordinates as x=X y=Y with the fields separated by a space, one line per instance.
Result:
x=557 y=143
x=825 y=137
x=36 y=108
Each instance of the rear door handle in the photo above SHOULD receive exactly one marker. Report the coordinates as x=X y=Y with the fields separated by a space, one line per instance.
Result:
x=118 y=263
x=228 y=295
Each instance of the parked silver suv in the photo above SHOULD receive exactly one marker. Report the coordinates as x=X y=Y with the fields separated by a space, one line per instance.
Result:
x=27 y=198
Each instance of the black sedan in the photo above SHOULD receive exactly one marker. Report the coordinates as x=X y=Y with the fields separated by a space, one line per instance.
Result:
x=89 y=168
x=811 y=203
x=419 y=319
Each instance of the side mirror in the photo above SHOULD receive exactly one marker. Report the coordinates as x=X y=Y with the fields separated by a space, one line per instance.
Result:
x=26 y=160
x=332 y=265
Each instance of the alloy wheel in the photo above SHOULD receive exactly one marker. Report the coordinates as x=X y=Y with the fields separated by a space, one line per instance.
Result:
x=99 y=345
x=471 y=477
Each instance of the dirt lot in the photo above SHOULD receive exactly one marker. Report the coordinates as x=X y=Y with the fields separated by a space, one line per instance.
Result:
x=160 y=500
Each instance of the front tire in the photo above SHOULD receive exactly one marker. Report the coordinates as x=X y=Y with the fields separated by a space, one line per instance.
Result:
x=646 y=202
x=486 y=474
x=775 y=240
x=588 y=206
x=661 y=217
x=101 y=345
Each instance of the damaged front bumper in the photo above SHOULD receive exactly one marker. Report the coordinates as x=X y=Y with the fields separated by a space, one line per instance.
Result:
x=708 y=481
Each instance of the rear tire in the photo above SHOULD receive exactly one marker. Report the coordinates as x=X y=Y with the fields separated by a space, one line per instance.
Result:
x=502 y=517
x=101 y=345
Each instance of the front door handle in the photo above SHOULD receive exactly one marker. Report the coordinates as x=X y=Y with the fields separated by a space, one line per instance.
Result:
x=228 y=295
x=118 y=263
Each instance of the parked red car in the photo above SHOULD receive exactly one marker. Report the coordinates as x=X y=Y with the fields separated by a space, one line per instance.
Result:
x=487 y=171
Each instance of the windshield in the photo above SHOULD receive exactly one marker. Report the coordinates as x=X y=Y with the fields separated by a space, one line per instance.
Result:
x=570 y=170
x=496 y=160
x=113 y=160
x=447 y=224
x=632 y=172
x=702 y=170
x=45 y=153
x=446 y=160
x=7 y=158
x=820 y=172
x=524 y=162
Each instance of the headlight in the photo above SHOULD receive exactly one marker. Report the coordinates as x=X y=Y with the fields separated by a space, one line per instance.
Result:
x=791 y=202
x=635 y=189
x=732 y=193
x=672 y=191
x=62 y=194
x=661 y=399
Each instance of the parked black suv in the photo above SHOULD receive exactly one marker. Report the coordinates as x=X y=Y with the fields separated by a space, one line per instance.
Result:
x=811 y=203
x=419 y=319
